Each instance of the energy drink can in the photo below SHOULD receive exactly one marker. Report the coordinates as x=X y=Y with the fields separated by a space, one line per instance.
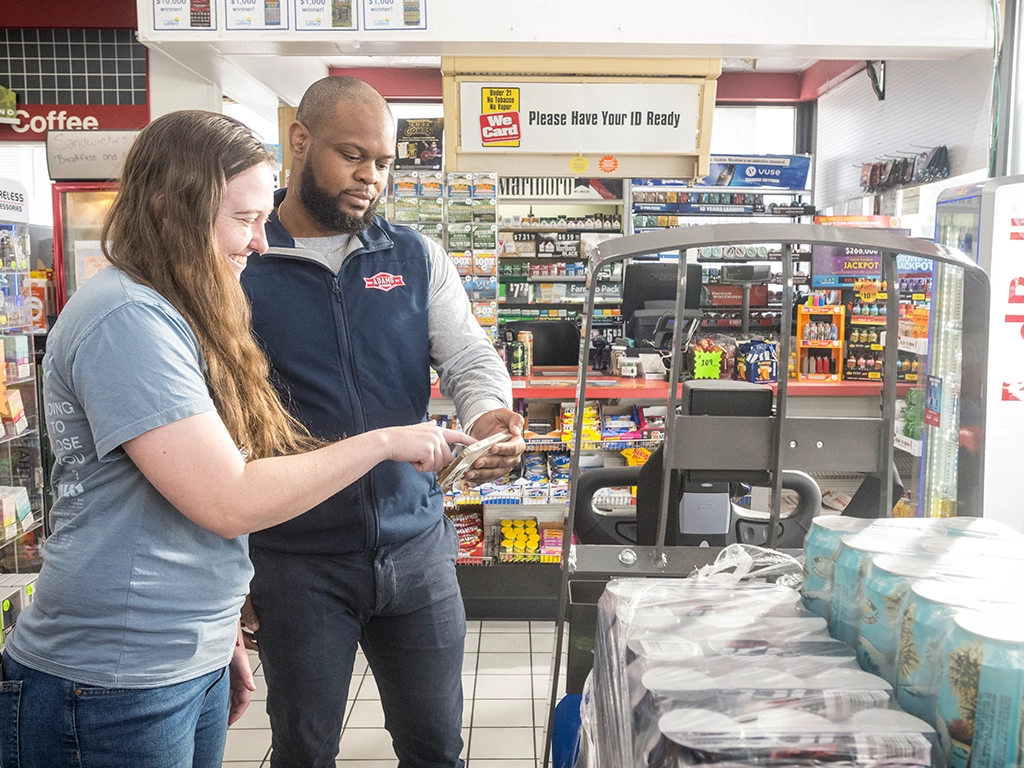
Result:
x=526 y=339
x=517 y=358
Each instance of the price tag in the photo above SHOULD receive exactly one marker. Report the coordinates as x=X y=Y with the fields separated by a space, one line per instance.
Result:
x=868 y=293
x=707 y=365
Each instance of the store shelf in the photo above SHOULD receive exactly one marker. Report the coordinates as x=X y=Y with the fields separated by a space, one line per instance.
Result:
x=773 y=191
x=865 y=345
x=10 y=536
x=826 y=377
x=858 y=375
x=564 y=279
x=505 y=200
x=831 y=309
x=554 y=444
x=544 y=228
x=734 y=307
x=537 y=302
x=731 y=323
x=558 y=256
x=904 y=443
x=10 y=438
x=914 y=346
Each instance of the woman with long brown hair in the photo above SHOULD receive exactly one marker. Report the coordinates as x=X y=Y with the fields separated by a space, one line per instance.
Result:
x=171 y=445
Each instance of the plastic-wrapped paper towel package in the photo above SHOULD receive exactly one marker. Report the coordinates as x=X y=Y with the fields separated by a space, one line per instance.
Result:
x=698 y=672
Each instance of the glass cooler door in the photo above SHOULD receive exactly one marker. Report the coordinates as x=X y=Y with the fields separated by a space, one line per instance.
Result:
x=79 y=210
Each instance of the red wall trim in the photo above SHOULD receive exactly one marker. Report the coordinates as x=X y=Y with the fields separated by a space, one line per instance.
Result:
x=822 y=76
x=410 y=84
x=398 y=83
x=784 y=87
x=72 y=14
x=750 y=87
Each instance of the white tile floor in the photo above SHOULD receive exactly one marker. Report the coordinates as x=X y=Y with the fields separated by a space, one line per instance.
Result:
x=506 y=682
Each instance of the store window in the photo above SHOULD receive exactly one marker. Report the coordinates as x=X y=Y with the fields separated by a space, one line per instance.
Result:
x=760 y=130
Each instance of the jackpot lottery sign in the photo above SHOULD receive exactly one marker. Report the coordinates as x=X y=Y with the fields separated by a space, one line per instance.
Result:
x=560 y=118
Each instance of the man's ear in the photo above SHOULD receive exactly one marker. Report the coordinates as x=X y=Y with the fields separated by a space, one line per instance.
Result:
x=298 y=139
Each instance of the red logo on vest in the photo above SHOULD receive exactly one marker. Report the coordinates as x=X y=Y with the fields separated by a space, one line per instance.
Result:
x=384 y=281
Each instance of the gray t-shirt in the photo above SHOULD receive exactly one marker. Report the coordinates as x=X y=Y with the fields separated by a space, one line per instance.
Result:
x=132 y=593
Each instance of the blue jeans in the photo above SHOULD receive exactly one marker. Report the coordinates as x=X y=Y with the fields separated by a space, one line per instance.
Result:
x=50 y=722
x=403 y=605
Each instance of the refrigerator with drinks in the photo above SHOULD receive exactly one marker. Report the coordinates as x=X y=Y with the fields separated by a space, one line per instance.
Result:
x=986 y=222
x=79 y=210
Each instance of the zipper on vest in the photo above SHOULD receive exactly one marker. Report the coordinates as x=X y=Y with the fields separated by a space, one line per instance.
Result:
x=372 y=521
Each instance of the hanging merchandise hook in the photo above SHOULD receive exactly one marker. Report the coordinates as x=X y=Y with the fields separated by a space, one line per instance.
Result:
x=876 y=73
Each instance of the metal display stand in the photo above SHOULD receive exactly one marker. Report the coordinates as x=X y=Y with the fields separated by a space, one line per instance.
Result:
x=759 y=444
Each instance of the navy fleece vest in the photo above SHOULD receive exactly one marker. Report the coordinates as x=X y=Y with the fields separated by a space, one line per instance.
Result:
x=350 y=353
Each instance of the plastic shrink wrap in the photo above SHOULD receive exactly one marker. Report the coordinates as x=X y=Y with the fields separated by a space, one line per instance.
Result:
x=690 y=672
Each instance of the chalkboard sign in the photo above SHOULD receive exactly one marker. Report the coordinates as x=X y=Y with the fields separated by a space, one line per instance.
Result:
x=87 y=155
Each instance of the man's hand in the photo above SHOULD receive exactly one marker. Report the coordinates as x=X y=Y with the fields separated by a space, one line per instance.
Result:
x=249 y=625
x=502 y=456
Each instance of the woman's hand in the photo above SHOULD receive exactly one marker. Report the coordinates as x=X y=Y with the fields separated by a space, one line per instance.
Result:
x=241 y=681
x=425 y=446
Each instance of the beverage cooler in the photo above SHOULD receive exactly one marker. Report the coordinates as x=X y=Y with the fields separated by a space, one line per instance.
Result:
x=986 y=222
x=84 y=166
x=79 y=210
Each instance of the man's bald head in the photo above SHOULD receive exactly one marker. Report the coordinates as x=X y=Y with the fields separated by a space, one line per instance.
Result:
x=320 y=101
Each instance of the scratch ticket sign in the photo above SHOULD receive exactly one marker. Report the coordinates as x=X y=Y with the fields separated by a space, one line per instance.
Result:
x=499 y=117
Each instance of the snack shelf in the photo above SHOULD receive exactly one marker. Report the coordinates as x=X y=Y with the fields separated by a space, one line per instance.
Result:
x=916 y=346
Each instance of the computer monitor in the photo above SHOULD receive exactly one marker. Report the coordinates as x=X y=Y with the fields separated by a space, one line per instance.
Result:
x=649 y=294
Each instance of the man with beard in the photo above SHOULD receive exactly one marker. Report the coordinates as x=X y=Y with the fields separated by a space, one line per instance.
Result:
x=352 y=312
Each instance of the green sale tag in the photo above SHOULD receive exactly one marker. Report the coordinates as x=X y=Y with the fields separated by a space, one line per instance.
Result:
x=707 y=365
